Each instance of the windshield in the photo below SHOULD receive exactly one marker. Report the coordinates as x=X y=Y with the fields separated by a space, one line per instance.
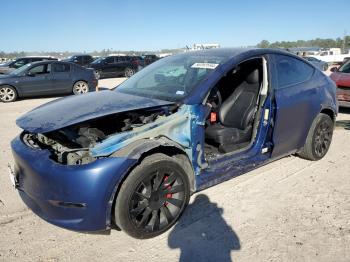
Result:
x=172 y=78
x=345 y=68
x=20 y=70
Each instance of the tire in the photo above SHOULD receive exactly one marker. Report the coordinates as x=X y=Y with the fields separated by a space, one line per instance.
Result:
x=98 y=74
x=319 y=138
x=80 y=87
x=8 y=94
x=153 y=197
x=128 y=72
x=325 y=67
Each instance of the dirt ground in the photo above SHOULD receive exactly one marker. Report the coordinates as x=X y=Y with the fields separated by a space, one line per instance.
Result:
x=289 y=210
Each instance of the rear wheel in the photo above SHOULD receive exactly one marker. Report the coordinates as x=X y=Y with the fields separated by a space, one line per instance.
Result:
x=8 y=94
x=129 y=72
x=153 y=197
x=319 y=138
x=98 y=74
x=80 y=87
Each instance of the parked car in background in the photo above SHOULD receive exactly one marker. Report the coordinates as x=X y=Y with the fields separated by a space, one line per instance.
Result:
x=133 y=156
x=46 y=78
x=341 y=76
x=149 y=59
x=332 y=55
x=115 y=66
x=17 y=63
x=322 y=65
x=82 y=60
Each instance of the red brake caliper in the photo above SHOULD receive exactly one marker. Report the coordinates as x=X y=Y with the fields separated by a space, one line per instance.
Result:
x=169 y=195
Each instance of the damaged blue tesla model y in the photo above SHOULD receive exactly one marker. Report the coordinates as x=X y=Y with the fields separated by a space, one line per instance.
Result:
x=132 y=156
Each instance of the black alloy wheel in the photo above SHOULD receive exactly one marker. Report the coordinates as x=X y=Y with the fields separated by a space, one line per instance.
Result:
x=153 y=197
x=319 y=138
x=322 y=138
x=157 y=200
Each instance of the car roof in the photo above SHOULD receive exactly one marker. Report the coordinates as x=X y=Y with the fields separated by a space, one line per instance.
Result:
x=233 y=52
x=80 y=55
x=35 y=57
x=51 y=62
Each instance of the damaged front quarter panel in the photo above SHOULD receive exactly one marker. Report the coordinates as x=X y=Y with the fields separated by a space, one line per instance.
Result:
x=179 y=129
x=176 y=127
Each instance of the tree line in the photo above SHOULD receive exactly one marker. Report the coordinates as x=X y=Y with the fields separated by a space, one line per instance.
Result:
x=318 y=42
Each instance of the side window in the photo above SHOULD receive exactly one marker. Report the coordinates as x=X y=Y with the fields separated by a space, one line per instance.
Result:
x=61 y=68
x=37 y=59
x=109 y=60
x=40 y=69
x=291 y=71
x=19 y=63
x=87 y=60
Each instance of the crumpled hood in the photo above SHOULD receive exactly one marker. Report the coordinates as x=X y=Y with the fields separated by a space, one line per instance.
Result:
x=76 y=109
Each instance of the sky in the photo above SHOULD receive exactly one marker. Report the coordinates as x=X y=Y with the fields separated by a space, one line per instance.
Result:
x=86 y=25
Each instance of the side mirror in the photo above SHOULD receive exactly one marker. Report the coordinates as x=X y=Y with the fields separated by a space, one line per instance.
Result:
x=30 y=74
x=334 y=69
x=75 y=61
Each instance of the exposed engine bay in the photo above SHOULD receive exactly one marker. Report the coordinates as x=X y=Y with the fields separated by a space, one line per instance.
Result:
x=71 y=145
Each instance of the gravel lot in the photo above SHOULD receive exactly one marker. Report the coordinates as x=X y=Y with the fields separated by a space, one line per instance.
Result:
x=290 y=210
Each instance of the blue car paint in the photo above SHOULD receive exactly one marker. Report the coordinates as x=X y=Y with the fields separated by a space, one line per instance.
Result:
x=91 y=184
x=191 y=116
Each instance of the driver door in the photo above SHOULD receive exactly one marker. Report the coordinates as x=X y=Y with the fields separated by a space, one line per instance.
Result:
x=36 y=80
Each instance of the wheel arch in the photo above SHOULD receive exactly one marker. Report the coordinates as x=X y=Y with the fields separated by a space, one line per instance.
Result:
x=14 y=87
x=329 y=112
x=77 y=80
x=141 y=149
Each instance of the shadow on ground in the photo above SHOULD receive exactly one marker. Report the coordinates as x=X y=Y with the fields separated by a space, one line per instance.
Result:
x=202 y=234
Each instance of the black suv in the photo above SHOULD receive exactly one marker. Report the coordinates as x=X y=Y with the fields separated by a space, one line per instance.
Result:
x=83 y=60
x=114 y=66
x=19 y=62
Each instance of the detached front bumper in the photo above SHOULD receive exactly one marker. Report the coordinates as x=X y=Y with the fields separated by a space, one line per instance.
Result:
x=74 y=197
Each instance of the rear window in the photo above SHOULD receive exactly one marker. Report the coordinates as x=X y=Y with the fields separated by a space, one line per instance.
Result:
x=291 y=71
x=60 y=68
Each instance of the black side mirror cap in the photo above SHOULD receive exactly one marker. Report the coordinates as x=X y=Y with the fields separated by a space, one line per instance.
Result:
x=334 y=69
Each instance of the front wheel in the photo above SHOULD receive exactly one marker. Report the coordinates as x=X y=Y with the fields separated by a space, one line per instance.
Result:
x=80 y=87
x=319 y=138
x=153 y=197
x=7 y=94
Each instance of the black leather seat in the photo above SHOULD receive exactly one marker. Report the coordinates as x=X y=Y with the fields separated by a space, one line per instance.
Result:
x=236 y=115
